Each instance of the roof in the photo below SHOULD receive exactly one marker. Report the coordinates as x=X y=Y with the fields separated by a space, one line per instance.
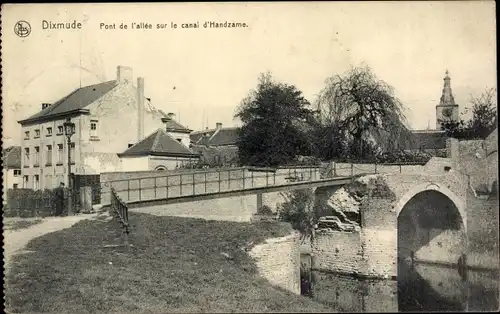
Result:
x=76 y=101
x=173 y=126
x=197 y=135
x=224 y=136
x=159 y=143
x=11 y=157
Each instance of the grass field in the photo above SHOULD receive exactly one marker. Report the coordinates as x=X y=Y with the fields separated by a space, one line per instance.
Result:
x=175 y=265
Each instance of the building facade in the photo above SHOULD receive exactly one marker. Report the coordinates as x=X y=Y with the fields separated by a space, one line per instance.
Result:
x=11 y=169
x=161 y=150
x=217 y=146
x=109 y=117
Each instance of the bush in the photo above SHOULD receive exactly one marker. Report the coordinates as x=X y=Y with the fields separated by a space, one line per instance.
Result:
x=265 y=210
x=298 y=210
x=30 y=203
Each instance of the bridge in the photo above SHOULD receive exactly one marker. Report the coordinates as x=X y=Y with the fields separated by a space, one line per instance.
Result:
x=406 y=213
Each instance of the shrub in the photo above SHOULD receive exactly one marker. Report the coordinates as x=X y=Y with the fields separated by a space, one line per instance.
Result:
x=265 y=210
x=30 y=203
x=298 y=209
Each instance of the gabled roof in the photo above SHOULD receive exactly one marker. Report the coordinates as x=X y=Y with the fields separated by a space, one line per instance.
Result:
x=76 y=101
x=11 y=157
x=173 y=126
x=224 y=136
x=159 y=143
x=197 y=135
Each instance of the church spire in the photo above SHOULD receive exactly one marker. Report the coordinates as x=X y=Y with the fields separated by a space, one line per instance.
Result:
x=447 y=96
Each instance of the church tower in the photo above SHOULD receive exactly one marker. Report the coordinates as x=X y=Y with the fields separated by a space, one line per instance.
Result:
x=447 y=110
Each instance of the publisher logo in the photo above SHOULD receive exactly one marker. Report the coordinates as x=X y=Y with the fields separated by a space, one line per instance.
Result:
x=22 y=29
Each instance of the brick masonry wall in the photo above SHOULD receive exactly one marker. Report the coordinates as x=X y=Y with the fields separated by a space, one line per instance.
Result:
x=337 y=251
x=479 y=159
x=379 y=247
x=238 y=208
x=278 y=261
x=483 y=232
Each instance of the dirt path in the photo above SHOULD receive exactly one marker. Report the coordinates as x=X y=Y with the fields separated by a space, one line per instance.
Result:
x=16 y=240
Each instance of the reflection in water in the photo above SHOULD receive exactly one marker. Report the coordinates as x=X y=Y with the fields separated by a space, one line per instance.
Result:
x=418 y=289
x=430 y=288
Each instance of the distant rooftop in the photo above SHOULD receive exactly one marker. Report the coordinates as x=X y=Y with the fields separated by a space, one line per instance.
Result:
x=159 y=143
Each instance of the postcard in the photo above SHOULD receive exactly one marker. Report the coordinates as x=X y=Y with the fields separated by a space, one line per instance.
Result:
x=250 y=157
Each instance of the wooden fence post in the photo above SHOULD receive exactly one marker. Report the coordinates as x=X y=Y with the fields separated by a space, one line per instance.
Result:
x=180 y=184
x=140 y=189
x=193 y=185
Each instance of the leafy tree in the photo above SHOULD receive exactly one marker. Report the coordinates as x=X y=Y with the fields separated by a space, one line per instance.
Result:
x=298 y=210
x=273 y=116
x=358 y=107
x=482 y=122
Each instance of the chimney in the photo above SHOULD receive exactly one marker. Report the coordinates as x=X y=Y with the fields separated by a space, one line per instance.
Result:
x=218 y=125
x=124 y=75
x=45 y=105
x=140 y=109
x=171 y=115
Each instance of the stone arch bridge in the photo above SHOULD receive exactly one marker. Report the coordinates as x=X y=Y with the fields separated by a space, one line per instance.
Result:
x=418 y=216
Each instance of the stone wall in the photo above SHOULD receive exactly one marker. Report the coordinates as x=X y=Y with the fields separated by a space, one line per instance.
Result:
x=238 y=208
x=95 y=163
x=478 y=159
x=337 y=251
x=278 y=261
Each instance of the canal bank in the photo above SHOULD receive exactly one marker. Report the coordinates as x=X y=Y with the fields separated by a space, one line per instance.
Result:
x=423 y=287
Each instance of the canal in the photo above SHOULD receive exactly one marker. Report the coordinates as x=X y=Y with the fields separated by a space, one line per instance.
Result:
x=421 y=288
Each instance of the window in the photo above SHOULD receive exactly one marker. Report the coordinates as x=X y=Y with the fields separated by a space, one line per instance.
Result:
x=26 y=182
x=93 y=129
x=27 y=135
x=179 y=140
x=17 y=172
x=37 y=133
x=26 y=157
x=36 y=160
x=36 y=182
x=60 y=154
x=130 y=145
x=49 y=155
x=15 y=186
x=72 y=151
x=49 y=131
x=60 y=130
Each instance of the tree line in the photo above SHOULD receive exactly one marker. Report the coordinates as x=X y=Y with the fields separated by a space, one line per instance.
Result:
x=356 y=116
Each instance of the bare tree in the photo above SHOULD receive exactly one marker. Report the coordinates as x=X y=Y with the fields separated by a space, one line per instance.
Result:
x=362 y=106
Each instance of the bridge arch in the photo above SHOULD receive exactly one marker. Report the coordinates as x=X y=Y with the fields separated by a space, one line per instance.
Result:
x=160 y=168
x=417 y=189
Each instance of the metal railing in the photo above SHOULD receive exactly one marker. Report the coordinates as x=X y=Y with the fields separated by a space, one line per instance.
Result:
x=120 y=210
x=205 y=182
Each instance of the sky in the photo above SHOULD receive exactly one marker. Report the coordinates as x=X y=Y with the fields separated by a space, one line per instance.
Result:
x=202 y=74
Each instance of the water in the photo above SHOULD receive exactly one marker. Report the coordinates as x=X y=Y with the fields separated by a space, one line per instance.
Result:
x=418 y=289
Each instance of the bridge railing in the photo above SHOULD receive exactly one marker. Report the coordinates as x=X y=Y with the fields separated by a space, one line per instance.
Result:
x=207 y=182
x=119 y=208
